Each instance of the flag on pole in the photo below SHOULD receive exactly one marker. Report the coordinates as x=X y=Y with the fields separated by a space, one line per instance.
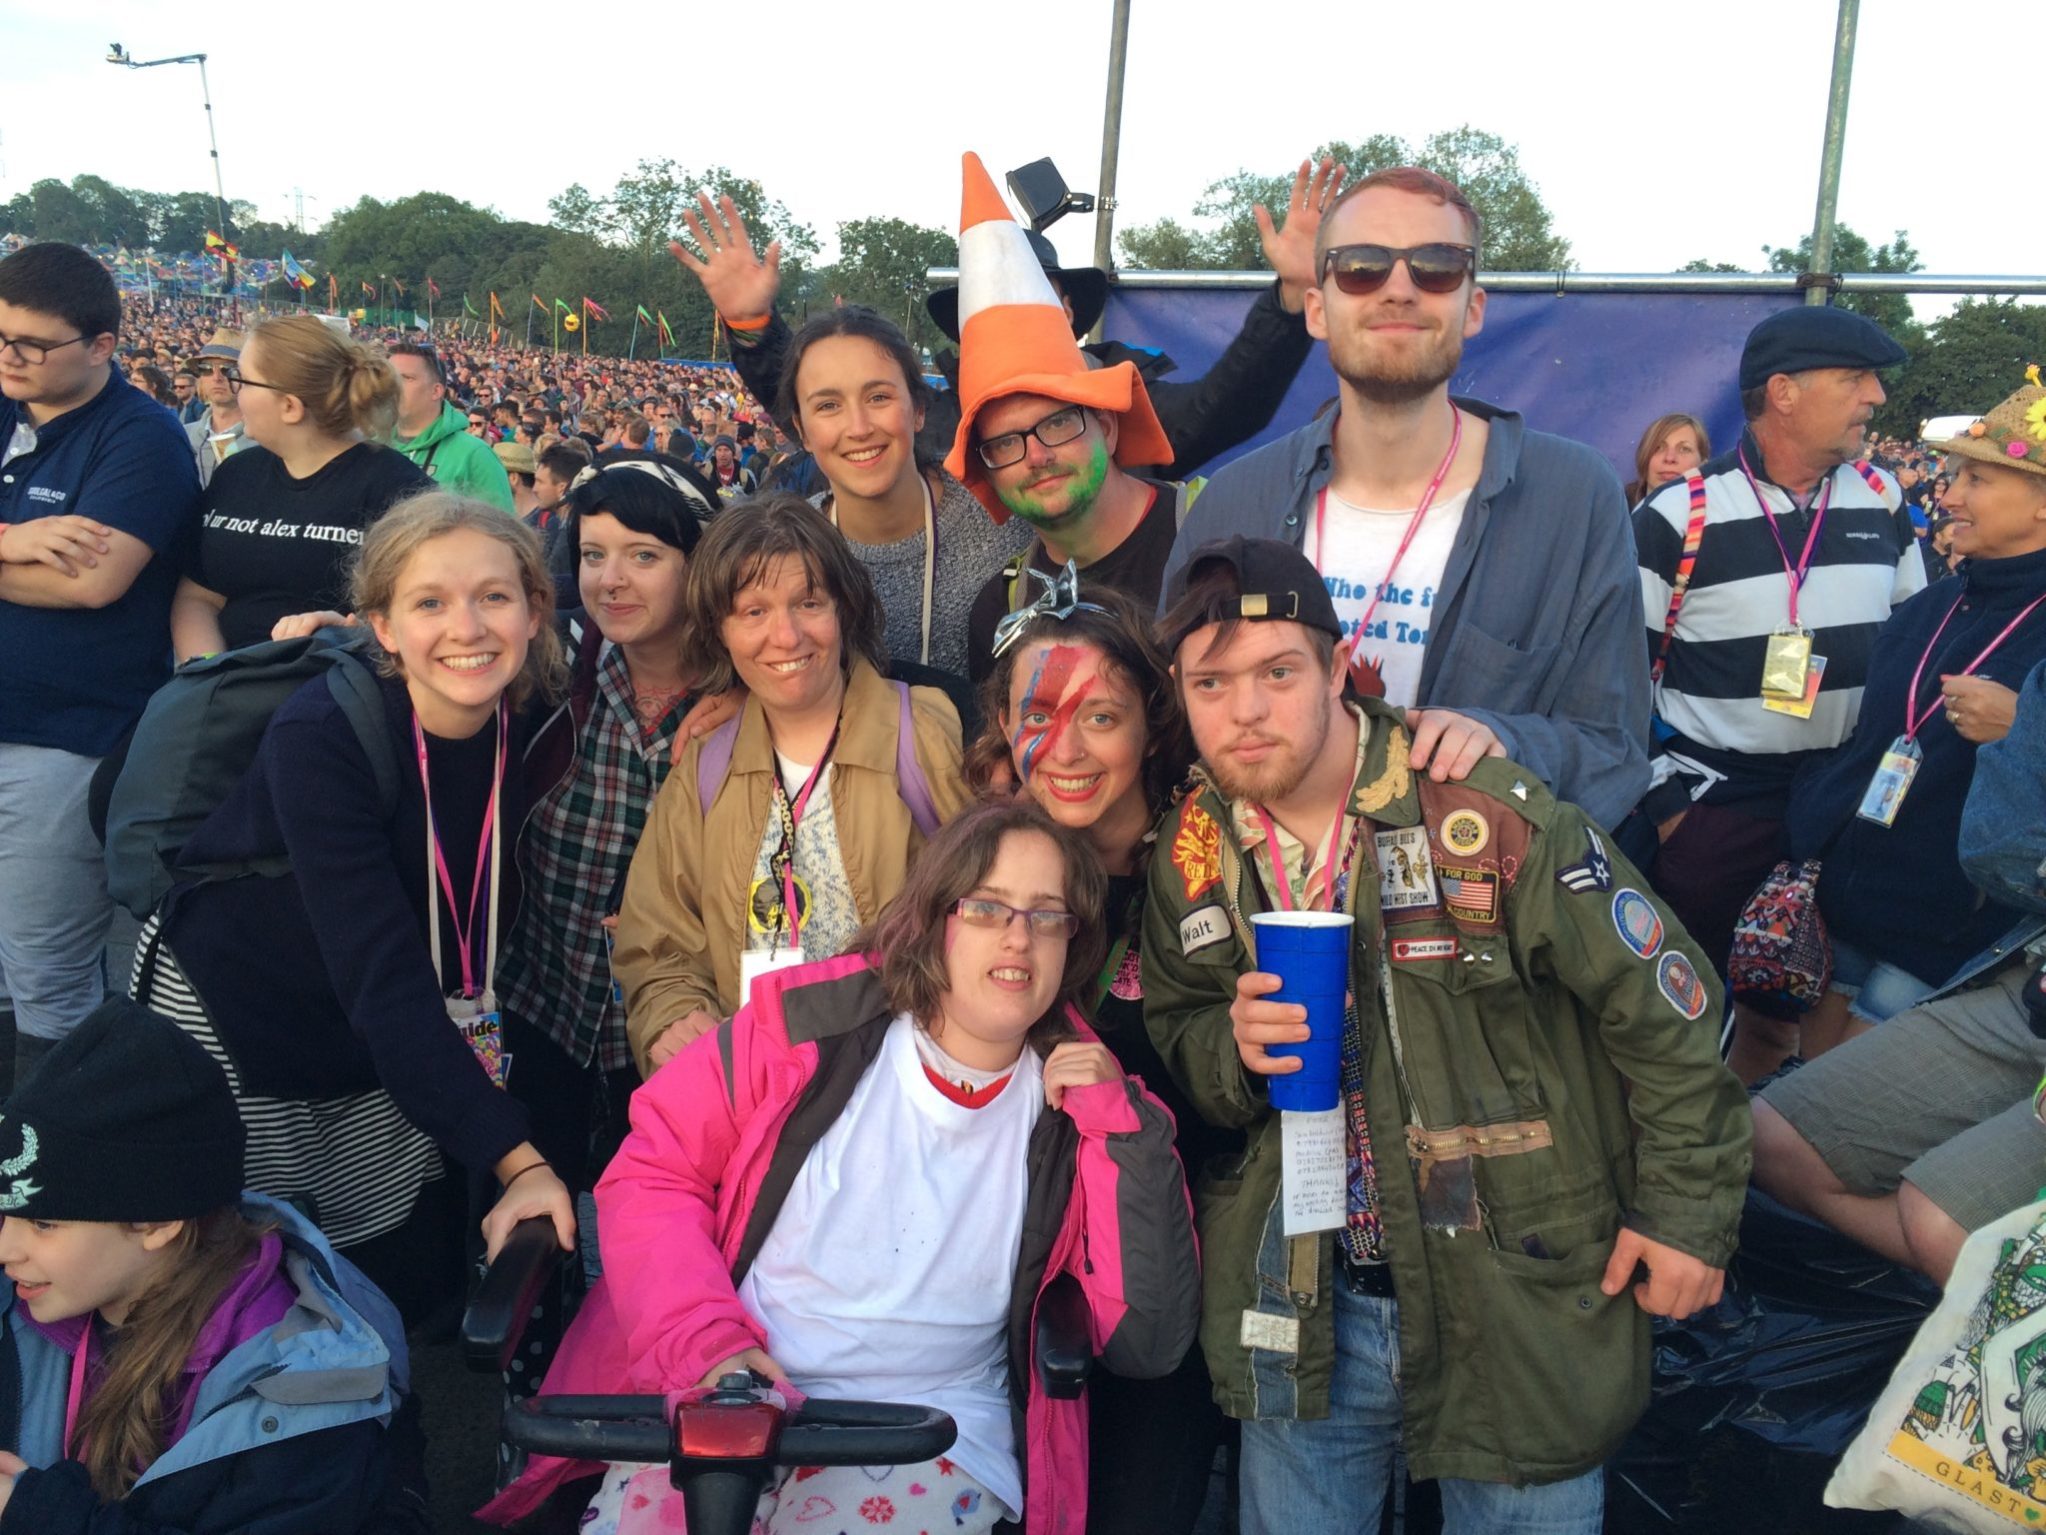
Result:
x=667 y=335
x=496 y=309
x=540 y=304
x=366 y=288
x=295 y=273
x=333 y=291
x=469 y=308
x=215 y=243
x=595 y=308
x=432 y=286
x=399 y=286
x=564 y=305
x=644 y=315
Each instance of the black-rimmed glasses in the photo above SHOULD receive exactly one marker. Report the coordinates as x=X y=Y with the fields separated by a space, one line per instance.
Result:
x=34 y=353
x=1054 y=431
x=237 y=381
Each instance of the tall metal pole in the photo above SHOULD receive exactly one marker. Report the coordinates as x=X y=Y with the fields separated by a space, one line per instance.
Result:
x=1829 y=159
x=1111 y=144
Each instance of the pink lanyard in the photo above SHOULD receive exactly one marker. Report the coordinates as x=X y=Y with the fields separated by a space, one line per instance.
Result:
x=1811 y=539
x=1915 y=718
x=1328 y=868
x=75 y=1397
x=1413 y=523
x=465 y=946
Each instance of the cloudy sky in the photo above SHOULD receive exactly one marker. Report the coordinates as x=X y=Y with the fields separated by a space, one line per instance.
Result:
x=1656 y=132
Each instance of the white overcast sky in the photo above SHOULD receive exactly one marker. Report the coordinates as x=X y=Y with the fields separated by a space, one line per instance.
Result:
x=1656 y=131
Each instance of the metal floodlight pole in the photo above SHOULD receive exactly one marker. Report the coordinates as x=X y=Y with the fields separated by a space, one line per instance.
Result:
x=1111 y=143
x=1829 y=159
x=116 y=54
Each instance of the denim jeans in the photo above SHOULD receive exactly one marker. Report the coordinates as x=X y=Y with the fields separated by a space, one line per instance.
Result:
x=1330 y=1475
x=54 y=910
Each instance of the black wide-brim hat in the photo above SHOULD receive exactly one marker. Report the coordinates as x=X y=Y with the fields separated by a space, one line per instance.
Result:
x=1085 y=288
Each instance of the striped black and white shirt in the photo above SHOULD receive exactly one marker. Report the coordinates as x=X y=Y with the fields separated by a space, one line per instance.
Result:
x=1720 y=738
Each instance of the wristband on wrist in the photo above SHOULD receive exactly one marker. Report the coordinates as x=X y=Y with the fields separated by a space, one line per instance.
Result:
x=759 y=323
x=514 y=1178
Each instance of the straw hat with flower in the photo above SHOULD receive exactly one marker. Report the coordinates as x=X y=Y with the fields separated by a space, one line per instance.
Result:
x=2013 y=434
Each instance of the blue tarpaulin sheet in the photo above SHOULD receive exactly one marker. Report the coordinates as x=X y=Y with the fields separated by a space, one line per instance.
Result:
x=1594 y=366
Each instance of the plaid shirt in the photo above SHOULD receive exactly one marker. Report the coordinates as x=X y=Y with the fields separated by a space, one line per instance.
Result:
x=556 y=971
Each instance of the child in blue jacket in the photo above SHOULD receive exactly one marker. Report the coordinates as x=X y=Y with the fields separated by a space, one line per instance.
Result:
x=192 y=1359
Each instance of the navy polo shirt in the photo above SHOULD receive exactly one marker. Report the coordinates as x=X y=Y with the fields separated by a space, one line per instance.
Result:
x=77 y=678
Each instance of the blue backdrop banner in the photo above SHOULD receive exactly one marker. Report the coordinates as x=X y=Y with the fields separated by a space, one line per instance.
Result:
x=1594 y=366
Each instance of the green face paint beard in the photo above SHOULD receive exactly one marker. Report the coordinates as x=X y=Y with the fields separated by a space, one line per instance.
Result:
x=1083 y=488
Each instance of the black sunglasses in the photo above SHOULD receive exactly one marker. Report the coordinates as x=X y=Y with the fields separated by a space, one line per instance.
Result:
x=1434 y=268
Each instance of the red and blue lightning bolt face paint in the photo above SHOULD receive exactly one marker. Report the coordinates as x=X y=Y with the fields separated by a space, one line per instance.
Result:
x=1077 y=734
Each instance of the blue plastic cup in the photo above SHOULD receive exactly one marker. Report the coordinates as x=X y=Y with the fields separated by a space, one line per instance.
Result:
x=1309 y=951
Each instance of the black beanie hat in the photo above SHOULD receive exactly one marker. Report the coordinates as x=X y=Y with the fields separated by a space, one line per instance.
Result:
x=126 y=1119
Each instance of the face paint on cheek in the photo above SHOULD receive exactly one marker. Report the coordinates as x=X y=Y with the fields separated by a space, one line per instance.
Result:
x=1053 y=676
x=1081 y=488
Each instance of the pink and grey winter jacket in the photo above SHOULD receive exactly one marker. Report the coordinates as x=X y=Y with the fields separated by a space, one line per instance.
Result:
x=718 y=1136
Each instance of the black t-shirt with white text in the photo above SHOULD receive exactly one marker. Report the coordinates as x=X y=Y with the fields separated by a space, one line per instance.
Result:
x=273 y=545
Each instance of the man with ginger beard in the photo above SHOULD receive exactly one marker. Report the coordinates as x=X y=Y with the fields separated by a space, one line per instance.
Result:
x=1482 y=572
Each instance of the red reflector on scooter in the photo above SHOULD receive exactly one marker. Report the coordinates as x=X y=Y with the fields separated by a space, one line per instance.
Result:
x=721 y=1431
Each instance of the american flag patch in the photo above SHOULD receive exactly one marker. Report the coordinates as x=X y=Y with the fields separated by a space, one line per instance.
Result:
x=1470 y=893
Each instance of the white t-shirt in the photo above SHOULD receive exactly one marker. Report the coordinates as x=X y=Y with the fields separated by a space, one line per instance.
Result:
x=1353 y=559
x=888 y=1272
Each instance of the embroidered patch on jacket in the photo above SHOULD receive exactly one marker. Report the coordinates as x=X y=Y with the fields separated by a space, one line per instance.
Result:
x=1677 y=979
x=21 y=1189
x=1465 y=832
x=1634 y=919
x=1472 y=894
x=1279 y=1334
x=1197 y=852
x=1593 y=872
x=1407 y=951
x=1202 y=928
x=1406 y=874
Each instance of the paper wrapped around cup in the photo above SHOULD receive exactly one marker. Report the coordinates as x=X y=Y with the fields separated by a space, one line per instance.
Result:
x=1310 y=953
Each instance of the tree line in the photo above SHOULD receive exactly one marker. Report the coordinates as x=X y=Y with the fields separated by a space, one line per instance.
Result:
x=612 y=246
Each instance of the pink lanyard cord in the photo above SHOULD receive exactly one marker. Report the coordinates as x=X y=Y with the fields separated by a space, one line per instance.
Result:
x=465 y=945
x=1914 y=717
x=1413 y=523
x=1796 y=572
x=1285 y=885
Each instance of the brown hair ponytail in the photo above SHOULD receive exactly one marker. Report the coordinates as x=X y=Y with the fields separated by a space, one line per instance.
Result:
x=124 y=1424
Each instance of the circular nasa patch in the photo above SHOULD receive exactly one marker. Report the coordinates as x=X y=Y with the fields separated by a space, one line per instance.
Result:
x=1465 y=832
x=1677 y=979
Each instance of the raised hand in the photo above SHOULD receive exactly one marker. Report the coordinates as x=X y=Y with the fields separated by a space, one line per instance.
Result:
x=740 y=285
x=1290 y=251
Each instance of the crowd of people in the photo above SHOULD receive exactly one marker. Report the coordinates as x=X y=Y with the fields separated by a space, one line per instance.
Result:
x=806 y=836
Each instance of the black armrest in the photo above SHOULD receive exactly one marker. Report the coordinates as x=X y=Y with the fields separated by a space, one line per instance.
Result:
x=1065 y=1355
x=504 y=1301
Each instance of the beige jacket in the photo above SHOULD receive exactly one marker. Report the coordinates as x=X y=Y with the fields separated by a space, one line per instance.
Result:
x=682 y=925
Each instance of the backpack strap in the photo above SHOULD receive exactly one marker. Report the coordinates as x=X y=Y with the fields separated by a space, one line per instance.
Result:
x=355 y=689
x=715 y=761
x=1874 y=478
x=1694 y=535
x=910 y=781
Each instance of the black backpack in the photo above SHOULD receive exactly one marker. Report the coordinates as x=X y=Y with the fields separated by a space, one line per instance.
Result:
x=196 y=741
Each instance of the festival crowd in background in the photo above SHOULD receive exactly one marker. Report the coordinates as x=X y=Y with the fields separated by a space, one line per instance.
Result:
x=832 y=847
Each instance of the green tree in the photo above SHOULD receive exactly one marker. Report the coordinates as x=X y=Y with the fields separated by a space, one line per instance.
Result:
x=881 y=263
x=1966 y=361
x=58 y=213
x=577 y=211
x=1519 y=229
x=1165 y=245
x=1853 y=253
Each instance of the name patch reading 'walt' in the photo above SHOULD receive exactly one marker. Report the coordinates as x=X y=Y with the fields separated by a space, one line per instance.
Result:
x=1202 y=928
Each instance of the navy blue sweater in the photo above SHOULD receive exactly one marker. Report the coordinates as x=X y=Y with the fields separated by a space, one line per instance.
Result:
x=1898 y=893
x=320 y=982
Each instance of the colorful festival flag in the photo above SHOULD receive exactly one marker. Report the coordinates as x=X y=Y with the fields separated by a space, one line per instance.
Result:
x=540 y=304
x=644 y=315
x=591 y=306
x=667 y=335
x=469 y=308
x=215 y=243
x=496 y=309
x=366 y=288
x=432 y=286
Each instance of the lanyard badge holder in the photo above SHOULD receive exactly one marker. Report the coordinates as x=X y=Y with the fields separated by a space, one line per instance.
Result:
x=1891 y=781
x=1790 y=672
x=474 y=1013
x=791 y=903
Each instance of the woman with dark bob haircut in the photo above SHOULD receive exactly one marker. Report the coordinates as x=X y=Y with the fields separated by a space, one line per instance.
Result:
x=863 y=1183
x=1083 y=720
x=784 y=831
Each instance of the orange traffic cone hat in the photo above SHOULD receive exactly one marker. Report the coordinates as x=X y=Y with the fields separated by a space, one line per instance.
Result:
x=1014 y=339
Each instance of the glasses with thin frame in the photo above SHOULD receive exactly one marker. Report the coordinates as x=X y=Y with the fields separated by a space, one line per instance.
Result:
x=1438 y=267
x=979 y=911
x=237 y=381
x=1054 y=431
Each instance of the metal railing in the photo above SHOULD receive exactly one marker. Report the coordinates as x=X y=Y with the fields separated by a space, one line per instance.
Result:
x=1622 y=282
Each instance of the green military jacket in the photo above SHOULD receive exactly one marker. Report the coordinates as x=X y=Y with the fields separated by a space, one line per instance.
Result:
x=1541 y=1053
